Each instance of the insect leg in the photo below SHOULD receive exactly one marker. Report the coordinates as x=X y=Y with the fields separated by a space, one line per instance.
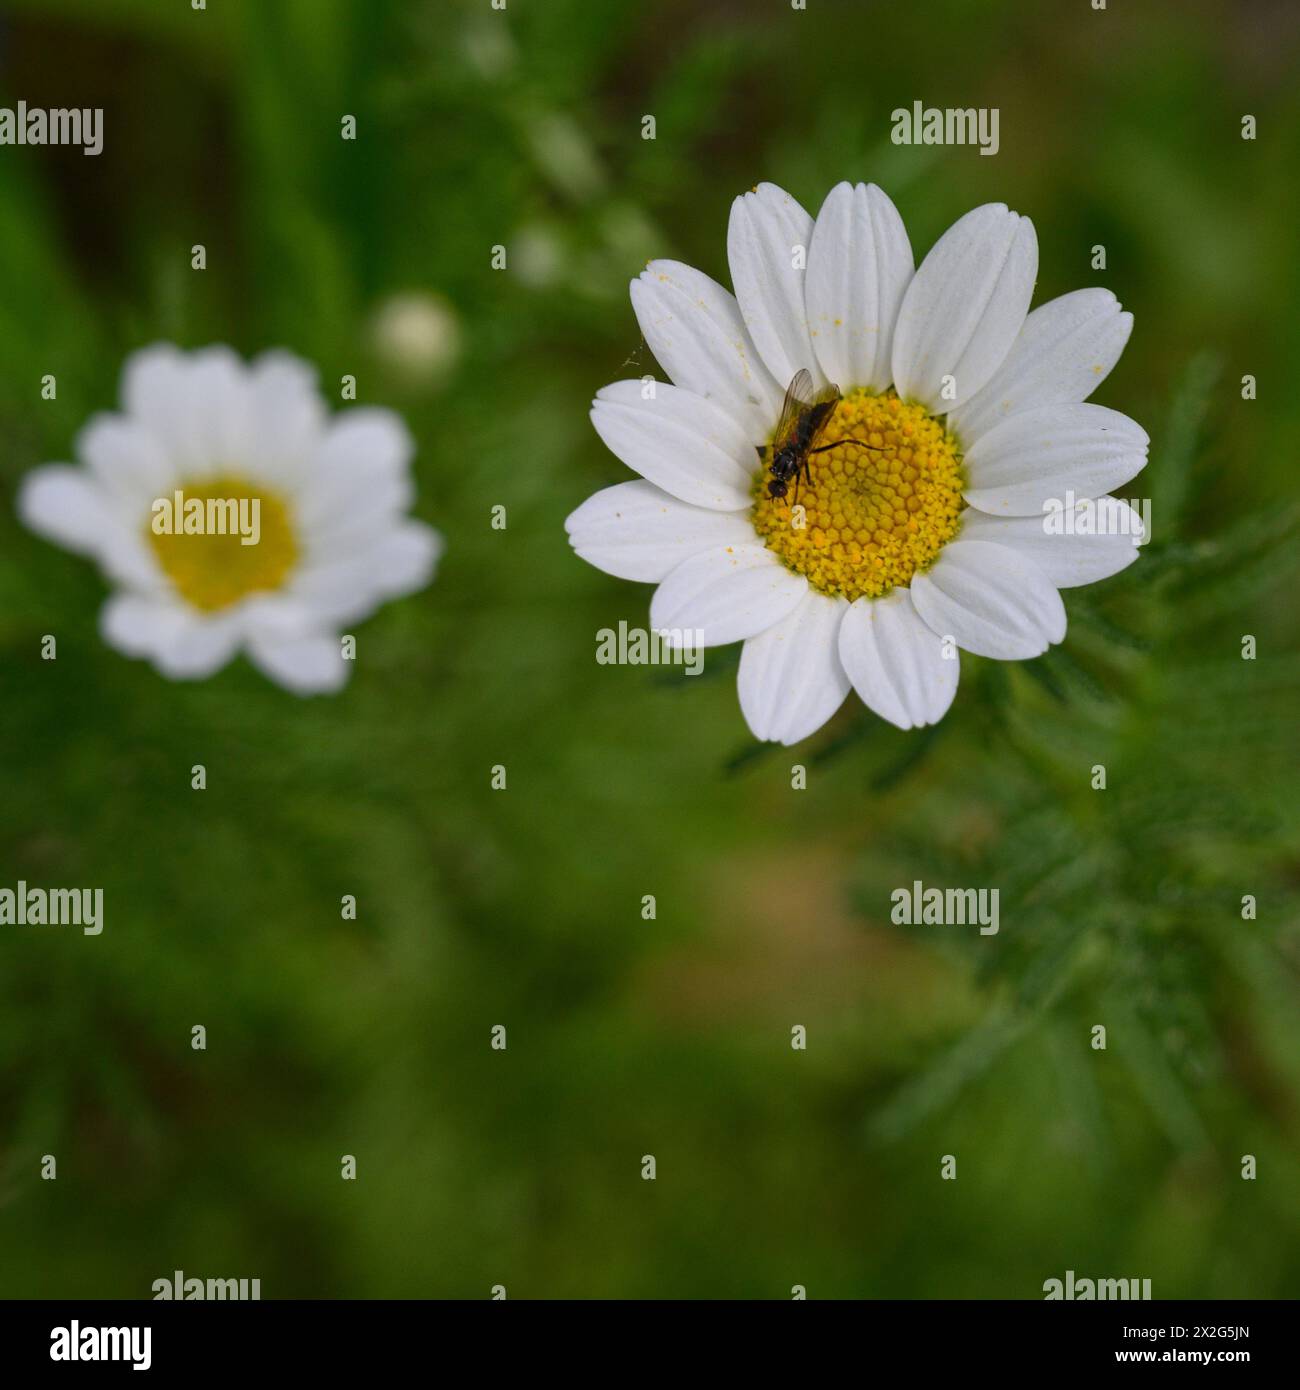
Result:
x=861 y=443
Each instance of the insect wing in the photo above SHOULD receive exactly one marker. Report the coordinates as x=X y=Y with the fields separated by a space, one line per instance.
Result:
x=823 y=408
x=798 y=397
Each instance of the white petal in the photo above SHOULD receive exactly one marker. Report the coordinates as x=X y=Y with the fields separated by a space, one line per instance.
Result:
x=768 y=238
x=182 y=643
x=156 y=396
x=276 y=616
x=195 y=405
x=859 y=267
x=66 y=505
x=636 y=531
x=360 y=473
x=199 y=652
x=219 y=394
x=286 y=417
x=791 y=680
x=1041 y=455
x=1064 y=352
x=210 y=413
x=726 y=593
x=346 y=585
x=1068 y=559
x=364 y=526
x=990 y=600
x=404 y=561
x=693 y=327
x=309 y=665
x=139 y=626
x=896 y=662
x=337 y=588
x=128 y=559
x=680 y=442
x=133 y=466
x=964 y=307
x=368 y=440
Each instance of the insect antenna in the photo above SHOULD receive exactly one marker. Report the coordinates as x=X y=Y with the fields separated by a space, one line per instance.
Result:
x=861 y=443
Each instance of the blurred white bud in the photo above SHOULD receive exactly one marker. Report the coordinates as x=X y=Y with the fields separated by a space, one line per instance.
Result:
x=564 y=151
x=416 y=335
x=489 y=49
x=538 y=259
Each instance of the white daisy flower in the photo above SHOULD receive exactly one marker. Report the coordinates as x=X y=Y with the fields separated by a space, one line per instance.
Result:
x=955 y=421
x=333 y=540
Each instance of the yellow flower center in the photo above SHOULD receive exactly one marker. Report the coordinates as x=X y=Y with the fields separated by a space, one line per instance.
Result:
x=871 y=519
x=200 y=542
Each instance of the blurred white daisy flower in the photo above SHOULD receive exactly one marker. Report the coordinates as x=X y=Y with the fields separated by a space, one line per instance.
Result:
x=953 y=456
x=330 y=497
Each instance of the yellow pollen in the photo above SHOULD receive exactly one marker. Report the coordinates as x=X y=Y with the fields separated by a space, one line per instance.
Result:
x=212 y=570
x=872 y=518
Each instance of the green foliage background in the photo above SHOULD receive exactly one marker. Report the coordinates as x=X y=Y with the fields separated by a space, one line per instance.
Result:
x=628 y=1037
